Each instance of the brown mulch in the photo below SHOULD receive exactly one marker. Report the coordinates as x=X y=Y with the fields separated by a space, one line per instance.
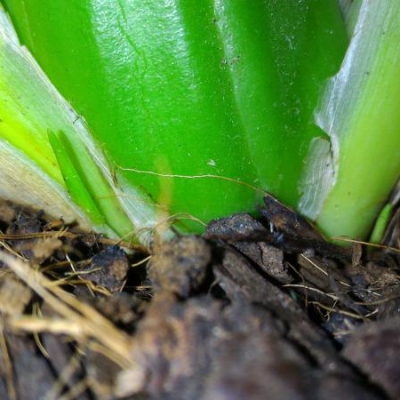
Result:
x=254 y=309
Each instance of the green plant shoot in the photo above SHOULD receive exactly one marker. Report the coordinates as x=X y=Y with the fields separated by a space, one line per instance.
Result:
x=197 y=109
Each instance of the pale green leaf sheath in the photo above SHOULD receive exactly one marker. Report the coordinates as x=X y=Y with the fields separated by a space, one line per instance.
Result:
x=27 y=107
x=360 y=112
x=30 y=110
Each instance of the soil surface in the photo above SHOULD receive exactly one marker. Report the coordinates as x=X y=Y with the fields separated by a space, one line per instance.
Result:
x=253 y=309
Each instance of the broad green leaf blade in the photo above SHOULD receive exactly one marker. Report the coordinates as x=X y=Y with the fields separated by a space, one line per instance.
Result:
x=212 y=89
x=278 y=60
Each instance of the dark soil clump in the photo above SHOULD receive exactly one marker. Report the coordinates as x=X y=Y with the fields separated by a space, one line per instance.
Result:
x=253 y=309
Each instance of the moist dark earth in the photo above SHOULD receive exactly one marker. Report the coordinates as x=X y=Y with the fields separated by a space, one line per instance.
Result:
x=255 y=308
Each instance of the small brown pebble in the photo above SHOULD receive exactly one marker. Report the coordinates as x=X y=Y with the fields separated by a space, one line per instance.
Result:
x=180 y=266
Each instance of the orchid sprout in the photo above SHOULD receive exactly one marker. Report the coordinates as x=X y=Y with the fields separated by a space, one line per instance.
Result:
x=118 y=113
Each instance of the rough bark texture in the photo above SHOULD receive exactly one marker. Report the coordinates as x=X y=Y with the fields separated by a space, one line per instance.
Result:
x=253 y=309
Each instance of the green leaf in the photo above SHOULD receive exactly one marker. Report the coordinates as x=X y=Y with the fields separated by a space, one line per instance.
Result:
x=72 y=178
x=210 y=90
x=360 y=112
x=30 y=107
x=87 y=185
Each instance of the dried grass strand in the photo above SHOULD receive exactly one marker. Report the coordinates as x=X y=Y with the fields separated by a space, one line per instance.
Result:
x=81 y=320
x=12 y=393
x=64 y=377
